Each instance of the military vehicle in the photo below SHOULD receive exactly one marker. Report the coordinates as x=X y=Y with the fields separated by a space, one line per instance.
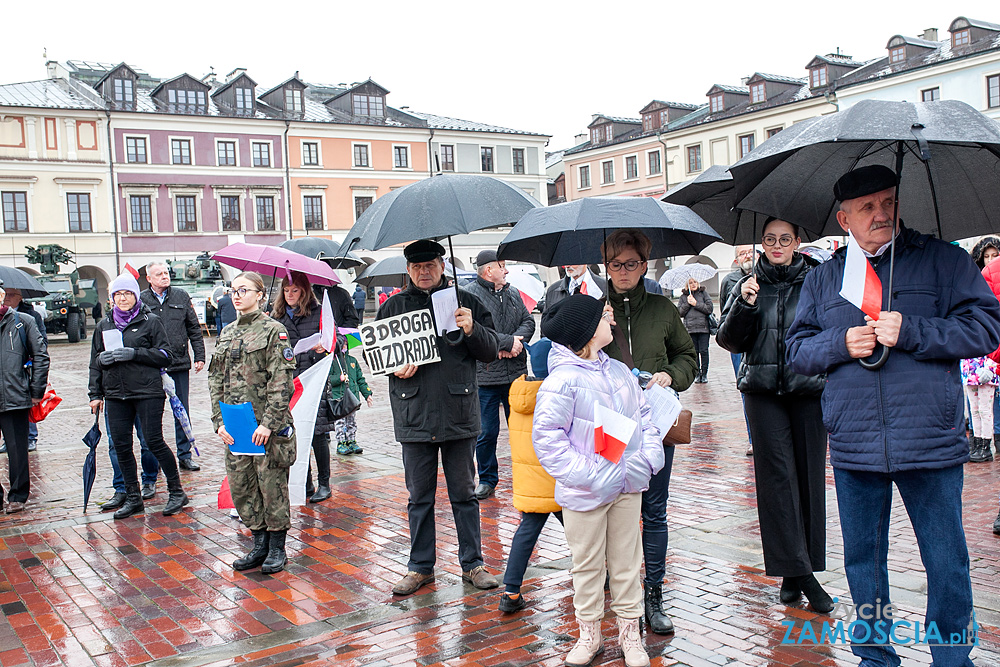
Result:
x=202 y=279
x=70 y=298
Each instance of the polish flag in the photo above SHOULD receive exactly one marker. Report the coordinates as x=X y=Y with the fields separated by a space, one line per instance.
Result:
x=327 y=325
x=304 y=406
x=612 y=432
x=531 y=288
x=861 y=285
x=131 y=269
x=590 y=287
x=225 y=500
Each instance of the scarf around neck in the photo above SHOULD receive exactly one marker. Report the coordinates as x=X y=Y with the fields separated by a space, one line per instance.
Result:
x=123 y=317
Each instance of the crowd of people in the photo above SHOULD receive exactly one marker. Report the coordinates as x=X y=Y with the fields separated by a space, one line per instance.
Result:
x=795 y=346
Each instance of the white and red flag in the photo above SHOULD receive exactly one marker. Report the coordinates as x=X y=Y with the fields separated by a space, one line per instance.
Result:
x=305 y=405
x=861 y=285
x=612 y=432
x=531 y=288
x=131 y=269
x=327 y=325
x=590 y=286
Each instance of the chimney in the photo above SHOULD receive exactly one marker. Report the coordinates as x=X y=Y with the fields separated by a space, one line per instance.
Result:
x=235 y=73
x=580 y=138
x=55 y=71
x=930 y=34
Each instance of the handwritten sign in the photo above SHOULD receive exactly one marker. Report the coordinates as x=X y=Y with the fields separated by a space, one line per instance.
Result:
x=393 y=342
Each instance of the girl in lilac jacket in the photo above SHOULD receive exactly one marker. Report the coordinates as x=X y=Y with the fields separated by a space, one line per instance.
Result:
x=601 y=499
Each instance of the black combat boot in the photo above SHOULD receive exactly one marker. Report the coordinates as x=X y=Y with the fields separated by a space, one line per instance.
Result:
x=257 y=554
x=276 y=558
x=657 y=621
x=177 y=498
x=133 y=502
x=980 y=451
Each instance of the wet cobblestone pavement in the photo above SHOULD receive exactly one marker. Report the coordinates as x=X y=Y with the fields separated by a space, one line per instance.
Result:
x=81 y=589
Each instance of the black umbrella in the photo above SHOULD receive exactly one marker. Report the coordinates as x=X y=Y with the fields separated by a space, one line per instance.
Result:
x=391 y=272
x=92 y=438
x=572 y=233
x=946 y=156
x=11 y=278
x=324 y=249
x=712 y=195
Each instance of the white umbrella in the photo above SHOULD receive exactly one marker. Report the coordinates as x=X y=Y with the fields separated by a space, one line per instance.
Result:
x=677 y=277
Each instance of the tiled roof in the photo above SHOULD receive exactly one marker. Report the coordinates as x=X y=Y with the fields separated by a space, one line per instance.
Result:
x=554 y=157
x=739 y=90
x=48 y=94
x=778 y=78
x=802 y=92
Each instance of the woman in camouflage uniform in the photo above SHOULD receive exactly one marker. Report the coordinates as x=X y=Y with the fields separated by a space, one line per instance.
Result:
x=253 y=362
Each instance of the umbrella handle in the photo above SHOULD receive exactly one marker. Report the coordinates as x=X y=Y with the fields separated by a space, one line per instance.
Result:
x=454 y=341
x=878 y=363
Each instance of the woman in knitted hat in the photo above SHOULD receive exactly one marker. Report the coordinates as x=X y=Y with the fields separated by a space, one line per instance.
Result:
x=129 y=348
x=598 y=485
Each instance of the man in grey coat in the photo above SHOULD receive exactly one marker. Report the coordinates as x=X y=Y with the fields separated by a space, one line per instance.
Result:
x=513 y=325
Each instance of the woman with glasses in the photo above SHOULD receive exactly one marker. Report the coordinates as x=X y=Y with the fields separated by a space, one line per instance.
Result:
x=129 y=348
x=253 y=363
x=786 y=422
x=648 y=335
x=298 y=309
x=695 y=306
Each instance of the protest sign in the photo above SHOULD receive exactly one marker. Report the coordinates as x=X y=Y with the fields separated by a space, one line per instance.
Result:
x=393 y=342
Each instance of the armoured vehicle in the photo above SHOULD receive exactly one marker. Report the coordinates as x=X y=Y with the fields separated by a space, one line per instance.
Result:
x=70 y=298
x=202 y=279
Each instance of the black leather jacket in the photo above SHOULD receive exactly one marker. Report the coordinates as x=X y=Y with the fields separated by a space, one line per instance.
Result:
x=181 y=324
x=20 y=384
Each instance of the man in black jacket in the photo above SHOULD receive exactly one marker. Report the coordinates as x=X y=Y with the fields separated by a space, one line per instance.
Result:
x=15 y=300
x=513 y=325
x=435 y=408
x=21 y=386
x=173 y=306
x=342 y=304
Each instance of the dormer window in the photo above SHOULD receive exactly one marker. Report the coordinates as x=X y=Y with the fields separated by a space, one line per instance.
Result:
x=717 y=103
x=960 y=38
x=244 y=100
x=897 y=54
x=757 y=93
x=647 y=122
x=368 y=105
x=190 y=98
x=123 y=91
x=664 y=118
x=293 y=100
x=817 y=77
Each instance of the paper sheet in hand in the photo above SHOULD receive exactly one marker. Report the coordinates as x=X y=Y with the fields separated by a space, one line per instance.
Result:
x=307 y=343
x=112 y=339
x=664 y=407
x=240 y=422
x=445 y=304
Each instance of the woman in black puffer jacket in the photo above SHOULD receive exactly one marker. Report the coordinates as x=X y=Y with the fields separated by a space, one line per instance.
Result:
x=298 y=309
x=695 y=306
x=786 y=422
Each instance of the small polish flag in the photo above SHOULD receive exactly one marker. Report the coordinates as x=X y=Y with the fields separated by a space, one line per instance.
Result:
x=225 y=499
x=590 y=287
x=531 y=288
x=131 y=269
x=612 y=432
x=327 y=325
x=861 y=285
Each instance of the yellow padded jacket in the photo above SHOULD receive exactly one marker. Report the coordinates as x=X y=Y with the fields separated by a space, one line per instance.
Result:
x=534 y=489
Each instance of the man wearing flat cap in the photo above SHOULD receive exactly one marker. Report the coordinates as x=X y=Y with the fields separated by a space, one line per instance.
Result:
x=514 y=326
x=900 y=424
x=435 y=409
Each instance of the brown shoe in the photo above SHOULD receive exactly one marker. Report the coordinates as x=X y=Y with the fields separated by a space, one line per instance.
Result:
x=409 y=584
x=14 y=507
x=480 y=578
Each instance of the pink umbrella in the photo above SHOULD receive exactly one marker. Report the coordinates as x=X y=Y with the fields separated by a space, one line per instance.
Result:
x=270 y=260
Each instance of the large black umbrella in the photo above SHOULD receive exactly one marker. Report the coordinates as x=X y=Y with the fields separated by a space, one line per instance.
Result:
x=946 y=156
x=391 y=272
x=572 y=233
x=11 y=278
x=324 y=249
x=712 y=195
x=92 y=438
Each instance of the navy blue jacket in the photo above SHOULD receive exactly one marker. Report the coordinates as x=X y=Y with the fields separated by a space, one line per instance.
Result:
x=906 y=415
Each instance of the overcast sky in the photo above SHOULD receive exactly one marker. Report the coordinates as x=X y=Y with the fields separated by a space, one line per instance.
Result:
x=538 y=65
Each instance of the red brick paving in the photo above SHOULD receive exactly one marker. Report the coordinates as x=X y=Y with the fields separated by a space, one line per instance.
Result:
x=81 y=589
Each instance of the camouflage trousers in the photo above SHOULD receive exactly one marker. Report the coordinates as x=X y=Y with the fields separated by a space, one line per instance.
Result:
x=260 y=494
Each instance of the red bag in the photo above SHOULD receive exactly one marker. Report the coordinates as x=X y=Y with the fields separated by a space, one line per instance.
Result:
x=49 y=402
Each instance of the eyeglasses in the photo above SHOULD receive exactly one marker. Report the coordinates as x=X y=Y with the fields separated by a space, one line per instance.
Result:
x=783 y=241
x=241 y=291
x=122 y=294
x=630 y=265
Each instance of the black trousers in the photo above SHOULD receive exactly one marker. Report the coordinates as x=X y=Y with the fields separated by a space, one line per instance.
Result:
x=121 y=415
x=420 y=465
x=700 y=341
x=789 y=454
x=321 y=448
x=14 y=426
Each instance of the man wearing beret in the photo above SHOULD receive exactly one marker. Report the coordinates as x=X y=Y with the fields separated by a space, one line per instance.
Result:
x=900 y=424
x=514 y=326
x=435 y=408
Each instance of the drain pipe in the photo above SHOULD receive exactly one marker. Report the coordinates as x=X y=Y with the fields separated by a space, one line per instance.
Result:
x=114 y=195
x=430 y=155
x=288 y=180
x=663 y=162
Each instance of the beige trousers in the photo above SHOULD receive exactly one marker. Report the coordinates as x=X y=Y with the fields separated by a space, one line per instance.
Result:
x=608 y=534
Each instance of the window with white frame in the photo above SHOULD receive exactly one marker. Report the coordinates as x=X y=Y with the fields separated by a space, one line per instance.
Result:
x=747 y=143
x=180 y=99
x=993 y=91
x=368 y=105
x=447 y=157
x=517 y=155
x=401 y=157
x=361 y=156
x=631 y=167
x=716 y=103
x=312 y=212
x=180 y=151
x=758 y=93
x=261 y=154
x=607 y=172
x=141 y=210
x=78 y=211
x=817 y=77
x=123 y=92
x=265 y=214
x=135 y=150
x=655 y=166
x=694 y=158
x=15 y=211
x=584 y=177
x=293 y=100
x=960 y=37
x=897 y=54
x=226 y=153
x=310 y=154
x=229 y=207
x=771 y=131
x=361 y=205
x=486 y=158
x=930 y=94
x=244 y=100
x=186 y=207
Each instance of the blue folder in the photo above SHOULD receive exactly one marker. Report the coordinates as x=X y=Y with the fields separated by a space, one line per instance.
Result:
x=240 y=422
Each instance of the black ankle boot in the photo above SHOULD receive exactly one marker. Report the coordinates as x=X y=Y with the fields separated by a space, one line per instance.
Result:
x=818 y=598
x=979 y=450
x=791 y=591
x=322 y=493
x=276 y=558
x=658 y=622
x=257 y=555
x=133 y=503
x=177 y=498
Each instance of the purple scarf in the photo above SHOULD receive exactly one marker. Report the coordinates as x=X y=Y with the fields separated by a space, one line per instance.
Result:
x=123 y=317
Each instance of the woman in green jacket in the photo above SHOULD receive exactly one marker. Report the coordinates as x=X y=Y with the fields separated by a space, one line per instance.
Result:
x=650 y=336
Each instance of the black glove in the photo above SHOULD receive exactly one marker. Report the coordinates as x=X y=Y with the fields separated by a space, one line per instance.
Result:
x=106 y=358
x=124 y=354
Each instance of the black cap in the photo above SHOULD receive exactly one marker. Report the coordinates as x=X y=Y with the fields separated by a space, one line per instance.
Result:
x=864 y=181
x=573 y=321
x=423 y=251
x=485 y=257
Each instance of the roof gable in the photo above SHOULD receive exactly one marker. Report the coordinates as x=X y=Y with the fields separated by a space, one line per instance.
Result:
x=732 y=90
x=368 y=87
x=185 y=78
x=232 y=82
x=962 y=23
x=294 y=82
x=114 y=71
